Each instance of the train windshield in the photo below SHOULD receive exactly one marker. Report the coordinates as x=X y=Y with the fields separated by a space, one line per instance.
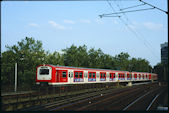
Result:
x=44 y=72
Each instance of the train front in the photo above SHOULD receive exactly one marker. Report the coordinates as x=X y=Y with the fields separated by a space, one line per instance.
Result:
x=44 y=75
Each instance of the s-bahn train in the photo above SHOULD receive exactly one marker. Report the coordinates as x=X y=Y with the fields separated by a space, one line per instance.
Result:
x=61 y=75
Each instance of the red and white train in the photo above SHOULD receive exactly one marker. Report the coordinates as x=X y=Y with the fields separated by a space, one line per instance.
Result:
x=61 y=75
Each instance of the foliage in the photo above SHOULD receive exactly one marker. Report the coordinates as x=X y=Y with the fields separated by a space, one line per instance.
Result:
x=122 y=61
x=54 y=58
x=162 y=70
x=29 y=53
x=140 y=65
x=76 y=56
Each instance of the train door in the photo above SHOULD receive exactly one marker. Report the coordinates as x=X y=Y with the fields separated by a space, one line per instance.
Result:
x=116 y=77
x=85 y=76
x=61 y=76
x=57 y=76
x=70 y=76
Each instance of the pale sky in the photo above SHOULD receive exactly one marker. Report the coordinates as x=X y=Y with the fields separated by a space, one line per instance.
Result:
x=59 y=24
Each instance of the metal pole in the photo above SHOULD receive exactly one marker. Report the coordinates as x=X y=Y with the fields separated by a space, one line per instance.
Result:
x=15 y=77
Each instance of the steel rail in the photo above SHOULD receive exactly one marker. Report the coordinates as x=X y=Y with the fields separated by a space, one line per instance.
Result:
x=95 y=95
x=78 y=96
x=153 y=100
x=129 y=105
x=104 y=101
x=86 y=106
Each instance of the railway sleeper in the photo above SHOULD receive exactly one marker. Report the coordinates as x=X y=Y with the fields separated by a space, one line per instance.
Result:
x=26 y=99
x=86 y=100
x=77 y=107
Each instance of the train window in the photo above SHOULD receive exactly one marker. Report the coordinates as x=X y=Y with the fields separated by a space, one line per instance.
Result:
x=94 y=75
x=104 y=75
x=76 y=74
x=101 y=75
x=130 y=75
x=114 y=75
x=80 y=75
x=44 y=71
x=119 y=75
x=110 y=75
x=90 y=75
x=64 y=74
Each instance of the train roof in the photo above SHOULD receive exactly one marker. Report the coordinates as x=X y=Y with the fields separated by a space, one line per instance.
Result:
x=91 y=68
x=85 y=68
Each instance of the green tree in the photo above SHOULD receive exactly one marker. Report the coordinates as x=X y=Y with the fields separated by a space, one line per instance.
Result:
x=76 y=56
x=27 y=54
x=139 y=64
x=94 y=58
x=54 y=58
x=122 y=61
x=107 y=62
x=7 y=68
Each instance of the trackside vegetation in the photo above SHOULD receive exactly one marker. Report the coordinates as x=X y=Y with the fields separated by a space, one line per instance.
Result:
x=29 y=53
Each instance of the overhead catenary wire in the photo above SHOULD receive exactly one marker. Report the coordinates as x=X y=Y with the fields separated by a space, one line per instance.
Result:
x=132 y=6
x=134 y=32
x=129 y=11
x=107 y=16
x=153 y=6
x=142 y=37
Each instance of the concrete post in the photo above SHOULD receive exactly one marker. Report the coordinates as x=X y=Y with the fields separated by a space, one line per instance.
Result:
x=15 y=77
x=129 y=84
x=152 y=81
x=117 y=83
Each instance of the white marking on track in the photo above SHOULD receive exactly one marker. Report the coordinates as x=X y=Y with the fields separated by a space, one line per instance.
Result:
x=135 y=101
x=152 y=102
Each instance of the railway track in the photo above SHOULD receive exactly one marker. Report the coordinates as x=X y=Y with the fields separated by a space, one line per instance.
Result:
x=125 y=98
x=69 y=99
x=113 y=101
x=20 y=100
x=98 y=100
x=146 y=101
